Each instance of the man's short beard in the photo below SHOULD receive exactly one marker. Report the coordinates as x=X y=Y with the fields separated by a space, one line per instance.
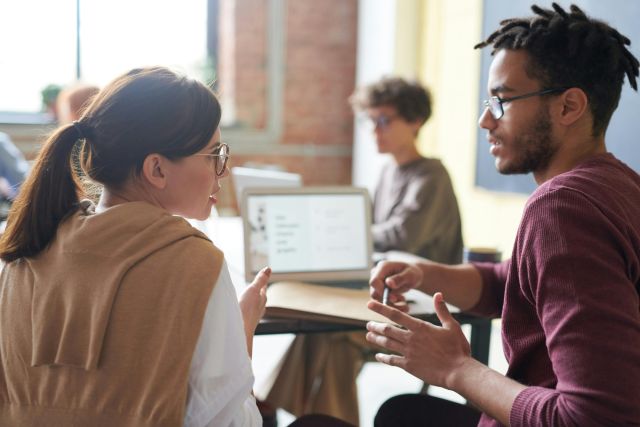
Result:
x=535 y=147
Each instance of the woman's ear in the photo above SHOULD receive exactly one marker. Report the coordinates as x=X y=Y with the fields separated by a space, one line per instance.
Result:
x=154 y=170
x=575 y=104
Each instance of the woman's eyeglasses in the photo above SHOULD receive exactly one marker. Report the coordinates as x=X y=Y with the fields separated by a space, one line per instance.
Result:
x=220 y=157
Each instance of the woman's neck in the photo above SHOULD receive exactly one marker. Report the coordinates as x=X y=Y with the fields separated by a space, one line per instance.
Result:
x=112 y=197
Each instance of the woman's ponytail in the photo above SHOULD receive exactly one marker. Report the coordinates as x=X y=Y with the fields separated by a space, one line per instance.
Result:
x=50 y=193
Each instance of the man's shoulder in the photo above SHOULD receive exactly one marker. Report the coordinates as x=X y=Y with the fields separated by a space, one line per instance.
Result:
x=598 y=177
x=600 y=170
x=602 y=188
x=426 y=166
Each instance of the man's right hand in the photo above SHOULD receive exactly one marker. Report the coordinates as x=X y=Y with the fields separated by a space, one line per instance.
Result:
x=399 y=278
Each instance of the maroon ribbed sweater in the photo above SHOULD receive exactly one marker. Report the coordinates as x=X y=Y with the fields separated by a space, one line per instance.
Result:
x=569 y=299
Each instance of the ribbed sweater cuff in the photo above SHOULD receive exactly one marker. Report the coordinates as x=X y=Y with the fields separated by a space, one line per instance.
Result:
x=527 y=409
x=486 y=305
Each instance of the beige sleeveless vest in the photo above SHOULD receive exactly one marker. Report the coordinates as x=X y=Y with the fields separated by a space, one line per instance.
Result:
x=100 y=329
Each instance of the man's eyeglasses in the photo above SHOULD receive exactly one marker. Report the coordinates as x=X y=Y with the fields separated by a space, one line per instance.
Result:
x=381 y=122
x=220 y=157
x=494 y=104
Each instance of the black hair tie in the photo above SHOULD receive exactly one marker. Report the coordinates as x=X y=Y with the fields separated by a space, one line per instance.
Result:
x=79 y=129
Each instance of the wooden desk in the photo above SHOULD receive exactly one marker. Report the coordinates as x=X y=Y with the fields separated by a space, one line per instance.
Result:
x=226 y=233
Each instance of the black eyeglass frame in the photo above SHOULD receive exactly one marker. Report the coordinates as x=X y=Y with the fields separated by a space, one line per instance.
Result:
x=494 y=104
x=381 y=122
x=223 y=153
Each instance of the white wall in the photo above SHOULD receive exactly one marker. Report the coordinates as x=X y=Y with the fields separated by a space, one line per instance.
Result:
x=376 y=53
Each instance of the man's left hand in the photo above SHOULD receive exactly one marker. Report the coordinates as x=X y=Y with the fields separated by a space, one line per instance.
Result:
x=431 y=353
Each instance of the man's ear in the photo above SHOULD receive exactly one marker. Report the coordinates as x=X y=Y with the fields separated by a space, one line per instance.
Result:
x=575 y=104
x=416 y=125
x=154 y=170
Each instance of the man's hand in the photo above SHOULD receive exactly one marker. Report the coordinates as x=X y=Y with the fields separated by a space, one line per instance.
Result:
x=399 y=278
x=429 y=352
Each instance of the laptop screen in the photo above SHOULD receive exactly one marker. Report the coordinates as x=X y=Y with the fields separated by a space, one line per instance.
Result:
x=313 y=234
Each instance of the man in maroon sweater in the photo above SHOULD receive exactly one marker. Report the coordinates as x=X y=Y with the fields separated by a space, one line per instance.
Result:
x=569 y=295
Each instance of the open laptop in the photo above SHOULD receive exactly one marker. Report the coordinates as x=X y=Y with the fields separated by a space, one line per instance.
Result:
x=244 y=178
x=309 y=234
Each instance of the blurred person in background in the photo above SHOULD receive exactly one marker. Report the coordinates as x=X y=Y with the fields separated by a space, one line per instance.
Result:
x=73 y=100
x=415 y=209
x=13 y=168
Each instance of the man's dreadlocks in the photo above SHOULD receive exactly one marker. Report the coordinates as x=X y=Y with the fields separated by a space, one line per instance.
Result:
x=572 y=50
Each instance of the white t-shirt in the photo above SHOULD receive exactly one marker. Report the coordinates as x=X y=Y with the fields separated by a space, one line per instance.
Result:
x=220 y=377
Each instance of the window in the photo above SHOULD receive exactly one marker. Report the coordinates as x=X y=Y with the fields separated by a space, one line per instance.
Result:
x=41 y=43
x=45 y=43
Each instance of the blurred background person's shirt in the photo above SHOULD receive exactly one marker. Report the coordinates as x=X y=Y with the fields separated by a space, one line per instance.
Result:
x=13 y=168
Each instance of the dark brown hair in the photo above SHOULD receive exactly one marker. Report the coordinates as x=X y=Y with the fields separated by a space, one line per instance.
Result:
x=409 y=98
x=145 y=111
x=570 y=49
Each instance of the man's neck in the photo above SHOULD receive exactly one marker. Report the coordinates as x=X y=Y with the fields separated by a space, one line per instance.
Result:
x=406 y=156
x=569 y=156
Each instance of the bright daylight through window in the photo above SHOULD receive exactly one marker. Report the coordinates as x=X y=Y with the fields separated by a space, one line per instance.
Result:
x=39 y=43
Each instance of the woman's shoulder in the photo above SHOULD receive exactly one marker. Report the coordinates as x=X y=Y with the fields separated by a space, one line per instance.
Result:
x=137 y=231
x=192 y=260
x=196 y=246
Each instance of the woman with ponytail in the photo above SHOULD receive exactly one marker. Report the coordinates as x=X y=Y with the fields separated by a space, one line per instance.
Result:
x=120 y=313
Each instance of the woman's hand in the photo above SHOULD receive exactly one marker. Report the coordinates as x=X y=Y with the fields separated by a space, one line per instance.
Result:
x=252 y=303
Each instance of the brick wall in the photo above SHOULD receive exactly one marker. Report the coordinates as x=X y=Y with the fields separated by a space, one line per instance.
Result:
x=320 y=71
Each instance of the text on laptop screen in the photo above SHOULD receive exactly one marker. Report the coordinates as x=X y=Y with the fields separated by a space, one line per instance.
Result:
x=307 y=232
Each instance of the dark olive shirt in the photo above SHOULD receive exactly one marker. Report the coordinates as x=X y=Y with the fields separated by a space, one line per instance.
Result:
x=415 y=210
